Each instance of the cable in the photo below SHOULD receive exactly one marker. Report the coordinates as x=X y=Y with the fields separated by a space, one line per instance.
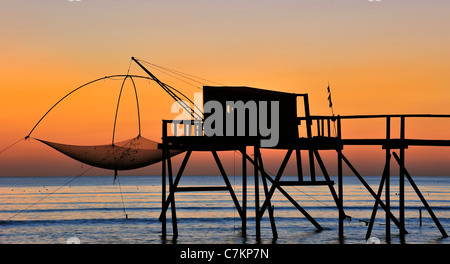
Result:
x=12 y=145
x=65 y=184
x=121 y=196
x=57 y=189
x=181 y=73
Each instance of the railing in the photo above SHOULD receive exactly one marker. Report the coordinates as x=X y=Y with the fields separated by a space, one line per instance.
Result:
x=189 y=127
x=323 y=123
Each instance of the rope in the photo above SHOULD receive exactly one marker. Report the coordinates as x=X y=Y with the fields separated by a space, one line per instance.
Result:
x=184 y=75
x=193 y=85
x=65 y=184
x=53 y=192
x=12 y=145
x=121 y=196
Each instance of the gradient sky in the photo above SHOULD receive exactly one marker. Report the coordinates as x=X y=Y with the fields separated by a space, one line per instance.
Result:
x=391 y=56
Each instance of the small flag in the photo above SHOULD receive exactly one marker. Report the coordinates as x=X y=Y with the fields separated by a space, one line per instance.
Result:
x=329 y=95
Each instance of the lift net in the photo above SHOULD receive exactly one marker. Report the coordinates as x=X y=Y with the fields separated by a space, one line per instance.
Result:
x=130 y=154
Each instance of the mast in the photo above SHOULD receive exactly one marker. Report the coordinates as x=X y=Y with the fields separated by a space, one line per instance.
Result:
x=168 y=89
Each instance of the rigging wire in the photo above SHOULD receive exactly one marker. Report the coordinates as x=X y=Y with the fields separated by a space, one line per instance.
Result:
x=49 y=194
x=65 y=184
x=121 y=195
x=184 y=75
x=191 y=84
x=12 y=145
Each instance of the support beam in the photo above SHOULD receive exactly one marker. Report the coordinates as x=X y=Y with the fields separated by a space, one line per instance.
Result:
x=275 y=182
x=340 y=178
x=327 y=178
x=162 y=217
x=172 y=190
x=375 y=206
x=275 y=185
x=266 y=192
x=401 y=201
x=388 y=180
x=257 y=220
x=390 y=215
x=244 y=193
x=228 y=184
x=422 y=198
x=167 y=201
x=299 y=164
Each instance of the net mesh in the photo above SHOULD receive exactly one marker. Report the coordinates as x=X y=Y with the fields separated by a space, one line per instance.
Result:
x=130 y=154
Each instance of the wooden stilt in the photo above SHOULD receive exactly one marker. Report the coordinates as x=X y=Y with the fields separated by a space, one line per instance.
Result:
x=276 y=185
x=167 y=201
x=327 y=178
x=299 y=164
x=340 y=178
x=266 y=192
x=172 y=191
x=244 y=193
x=387 y=174
x=401 y=201
x=375 y=206
x=422 y=198
x=162 y=217
x=227 y=183
x=257 y=210
x=390 y=215
x=275 y=182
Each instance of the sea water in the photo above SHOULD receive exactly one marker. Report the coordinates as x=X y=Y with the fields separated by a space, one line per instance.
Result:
x=97 y=209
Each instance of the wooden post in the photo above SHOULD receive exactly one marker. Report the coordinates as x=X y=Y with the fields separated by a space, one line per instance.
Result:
x=175 y=184
x=163 y=179
x=163 y=194
x=374 y=195
x=323 y=127
x=402 y=177
x=309 y=134
x=422 y=198
x=172 y=191
x=227 y=183
x=388 y=176
x=266 y=193
x=327 y=178
x=340 y=178
x=375 y=206
x=299 y=164
x=257 y=219
x=244 y=192
x=420 y=216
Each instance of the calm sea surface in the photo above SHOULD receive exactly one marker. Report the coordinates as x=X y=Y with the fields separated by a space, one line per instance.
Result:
x=46 y=210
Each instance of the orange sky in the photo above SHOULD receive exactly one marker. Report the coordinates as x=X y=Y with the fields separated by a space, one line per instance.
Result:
x=379 y=57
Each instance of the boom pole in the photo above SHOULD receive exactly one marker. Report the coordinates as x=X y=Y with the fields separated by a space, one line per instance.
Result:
x=168 y=89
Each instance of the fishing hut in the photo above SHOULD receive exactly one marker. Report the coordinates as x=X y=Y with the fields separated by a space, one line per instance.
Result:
x=238 y=118
x=231 y=139
x=194 y=138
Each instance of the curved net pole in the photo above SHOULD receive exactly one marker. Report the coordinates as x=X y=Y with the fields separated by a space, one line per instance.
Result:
x=118 y=103
x=76 y=89
x=137 y=105
x=117 y=109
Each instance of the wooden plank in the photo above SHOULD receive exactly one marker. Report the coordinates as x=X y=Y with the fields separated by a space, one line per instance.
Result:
x=201 y=188
x=305 y=183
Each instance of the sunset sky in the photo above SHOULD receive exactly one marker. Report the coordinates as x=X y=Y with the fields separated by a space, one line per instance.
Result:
x=384 y=57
